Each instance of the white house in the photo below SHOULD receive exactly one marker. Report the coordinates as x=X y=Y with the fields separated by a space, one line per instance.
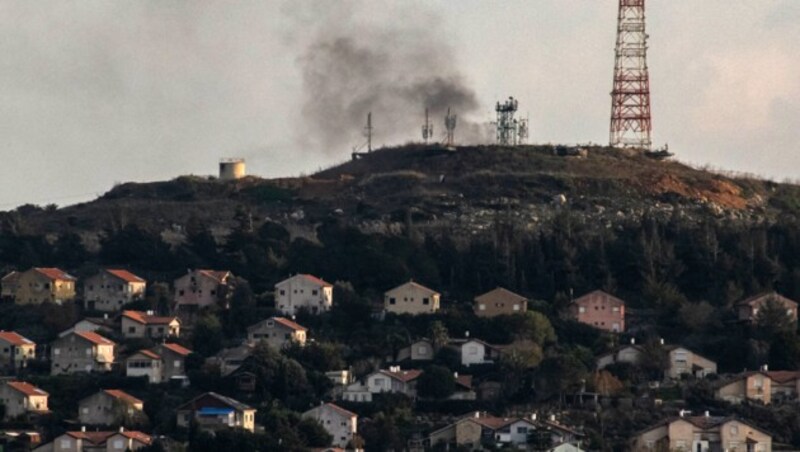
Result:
x=340 y=423
x=475 y=351
x=392 y=380
x=303 y=292
x=145 y=363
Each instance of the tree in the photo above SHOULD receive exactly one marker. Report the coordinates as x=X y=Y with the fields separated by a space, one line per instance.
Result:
x=772 y=318
x=207 y=335
x=537 y=328
x=312 y=433
x=438 y=334
x=436 y=382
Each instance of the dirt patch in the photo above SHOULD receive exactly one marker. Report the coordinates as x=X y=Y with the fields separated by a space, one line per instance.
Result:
x=717 y=191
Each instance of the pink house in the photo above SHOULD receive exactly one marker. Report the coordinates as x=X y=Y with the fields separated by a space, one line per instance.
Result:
x=600 y=310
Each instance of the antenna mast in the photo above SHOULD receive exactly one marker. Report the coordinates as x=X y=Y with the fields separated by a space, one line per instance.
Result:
x=630 y=97
x=368 y=132
x=427 y=128
x=506 y=124
x=450 y=126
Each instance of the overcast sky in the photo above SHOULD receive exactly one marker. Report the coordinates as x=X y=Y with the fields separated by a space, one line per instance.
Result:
x=98 y=92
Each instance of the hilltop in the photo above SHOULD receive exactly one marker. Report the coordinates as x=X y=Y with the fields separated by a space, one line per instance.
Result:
x=461 y=192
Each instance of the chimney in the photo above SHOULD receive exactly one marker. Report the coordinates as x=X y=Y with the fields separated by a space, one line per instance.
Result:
x=661 y=341
x=681 y=413
x=765 y=368
x=105 y=316
x=552 y=418
x=122 y=429
x=83 y=428
x=477 y=415
x=455 y=375
x=707 y=414
x=533 y=417
x=466 y=334
x=633 y=341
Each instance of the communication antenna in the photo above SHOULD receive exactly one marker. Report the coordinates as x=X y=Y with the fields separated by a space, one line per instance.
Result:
x=368 y=132
x=522 y=130
x=450 y=125
x=506 y=125
x=427 y=128
x=631 y=123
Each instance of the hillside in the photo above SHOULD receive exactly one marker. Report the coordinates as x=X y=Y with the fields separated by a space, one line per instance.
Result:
x=462 y=192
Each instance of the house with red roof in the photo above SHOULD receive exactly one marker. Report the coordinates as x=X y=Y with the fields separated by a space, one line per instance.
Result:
x=86 y=441
x=303 y=291
x=159 y=364
x=20 y=398
x=81 y=351
x=39 y=285
x=110 y=289
x=199 y=289
x=15 y=350
x=111 y=407
x=277 y=332
x=411 y=298
x=138 y=324
x=600 y=310
x=340 y=423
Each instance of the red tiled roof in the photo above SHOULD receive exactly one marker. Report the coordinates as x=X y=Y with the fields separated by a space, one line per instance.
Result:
x=137 y=436
x=340 y=410
x=495 y=423
x=584 y=297
x=403 y=375
x=26 y=388
x=122 y=395
x=54 y=273
x=148 y=353
x=125 y=275
x=94 y=338
x=316 y=280
x=177 y=348
x=289 y=324
x=219 y=275
x=464 y=381
x=14 y=338
x=783 y=376
x=96 y=438
x=147 y=319
x=415 y=284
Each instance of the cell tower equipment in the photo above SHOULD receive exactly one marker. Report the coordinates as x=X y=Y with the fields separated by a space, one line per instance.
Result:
x=630 y=97
x=368 y=132
x=450 y=126
x=506 y=124
x=427 y=128
x=523 y=131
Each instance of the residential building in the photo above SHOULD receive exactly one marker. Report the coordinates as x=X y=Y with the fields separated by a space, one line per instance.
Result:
x=475 y=351
x=100 y=325
x=20 y=398
x=600 y=310
x=81 y=351
x=138 y=324
x=211 y=411
x=83 y=441
x=702 y=433
x=202 y=288
x=341 y=424
x=500 y=301
x=478 y=429
x=145 y=363
x=411 y=298
x=754 y=386
x=303 y=291
x=8 y=286
x=110 y=407
x=628 y=354
x=421 y=350
x=40 y=285
x=173 y=360
x=277 y=332
x=393 y=380
x=748 y=308
x=15 y=350
x=464 y=390
x=229 y=359
x=110 y=289
x=683 y=361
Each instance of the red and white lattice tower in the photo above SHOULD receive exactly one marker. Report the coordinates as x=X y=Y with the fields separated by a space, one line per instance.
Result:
x=630 y=98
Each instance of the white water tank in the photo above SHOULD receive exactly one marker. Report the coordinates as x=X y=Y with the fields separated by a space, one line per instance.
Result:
x=231 y=169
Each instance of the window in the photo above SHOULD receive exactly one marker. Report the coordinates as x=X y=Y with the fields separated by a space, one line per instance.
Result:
x=516 y=307
x=131 y=329
x=315 y=292
x=392 y=301
x=615 y=309
x=283 y=292
x=522 y=430
x=426 y=301
x=66 y=443
x=213 y=292
x=177 y=364
x=581 y=309
x=481 y=307
x=180 y=292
